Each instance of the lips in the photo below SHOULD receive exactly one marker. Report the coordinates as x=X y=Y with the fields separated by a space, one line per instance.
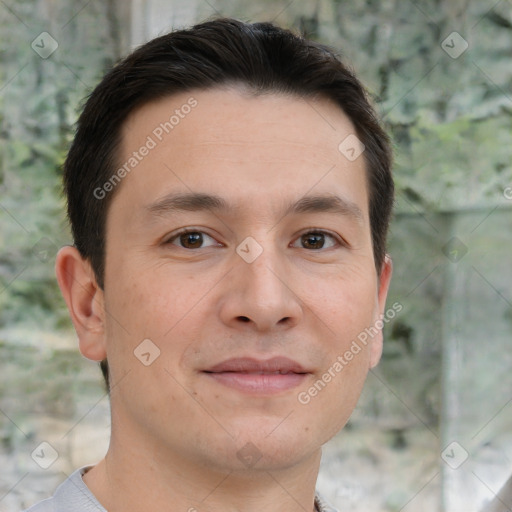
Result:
x=258 y=376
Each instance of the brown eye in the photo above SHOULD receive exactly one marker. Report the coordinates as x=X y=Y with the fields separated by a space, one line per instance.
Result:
x=193 y=240
x=316 y=240
x=313 y=240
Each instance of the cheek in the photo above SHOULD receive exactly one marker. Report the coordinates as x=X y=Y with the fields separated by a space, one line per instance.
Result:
x=342 y=311
x=168 y=311
x=150 y=302
x=327 y=404
x=345 y=305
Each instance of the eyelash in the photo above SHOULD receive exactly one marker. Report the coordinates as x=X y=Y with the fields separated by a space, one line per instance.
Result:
x=184 y=232
x=339 y=241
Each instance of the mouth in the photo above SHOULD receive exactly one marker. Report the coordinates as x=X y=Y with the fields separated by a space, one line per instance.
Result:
x=254 y=376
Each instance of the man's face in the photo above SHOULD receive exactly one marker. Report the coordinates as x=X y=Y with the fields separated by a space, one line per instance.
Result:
x=274 y=280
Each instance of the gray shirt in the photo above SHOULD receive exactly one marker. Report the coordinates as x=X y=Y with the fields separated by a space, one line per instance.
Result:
x=74 y=496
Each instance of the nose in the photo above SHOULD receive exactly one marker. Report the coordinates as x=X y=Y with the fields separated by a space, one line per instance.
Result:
x=260 y=296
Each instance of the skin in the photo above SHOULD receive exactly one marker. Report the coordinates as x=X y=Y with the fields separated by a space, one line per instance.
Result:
x=176 y=431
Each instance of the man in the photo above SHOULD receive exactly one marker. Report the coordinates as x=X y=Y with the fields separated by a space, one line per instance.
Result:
x=229 y=192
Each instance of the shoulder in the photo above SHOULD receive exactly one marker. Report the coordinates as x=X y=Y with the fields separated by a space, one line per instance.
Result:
x=71 y=496
x=42 y=506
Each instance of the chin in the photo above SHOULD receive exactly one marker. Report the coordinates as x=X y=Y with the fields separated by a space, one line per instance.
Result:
x=274 y=444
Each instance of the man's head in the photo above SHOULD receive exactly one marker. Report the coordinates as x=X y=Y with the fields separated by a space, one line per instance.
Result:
x=220 y=209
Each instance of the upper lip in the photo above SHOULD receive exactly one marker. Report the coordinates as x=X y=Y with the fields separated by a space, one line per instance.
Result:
x=250 y=365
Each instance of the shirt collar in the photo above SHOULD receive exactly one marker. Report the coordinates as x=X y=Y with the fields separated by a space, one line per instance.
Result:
x=321 y=505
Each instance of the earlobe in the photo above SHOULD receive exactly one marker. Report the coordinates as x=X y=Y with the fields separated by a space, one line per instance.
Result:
x=84 y=299
x=384 y=281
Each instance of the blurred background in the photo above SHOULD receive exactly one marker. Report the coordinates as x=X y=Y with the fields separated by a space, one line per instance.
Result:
x=433 y=430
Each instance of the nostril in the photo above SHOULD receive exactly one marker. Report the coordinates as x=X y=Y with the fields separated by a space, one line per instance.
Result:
x=244 y=319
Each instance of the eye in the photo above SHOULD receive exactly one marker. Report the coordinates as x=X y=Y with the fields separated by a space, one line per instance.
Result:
x=316 y=240
x=191 y=239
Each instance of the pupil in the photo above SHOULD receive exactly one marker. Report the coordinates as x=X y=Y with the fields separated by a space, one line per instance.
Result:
x=191 y=239
x=314 y=241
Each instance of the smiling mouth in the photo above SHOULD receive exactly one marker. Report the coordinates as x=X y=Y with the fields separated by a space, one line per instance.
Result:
x=252 y=376
x=260 y=372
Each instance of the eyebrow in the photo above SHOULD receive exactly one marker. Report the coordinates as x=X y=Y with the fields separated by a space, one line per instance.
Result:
x=187 y=202
x=327 y=204
x=194 y=201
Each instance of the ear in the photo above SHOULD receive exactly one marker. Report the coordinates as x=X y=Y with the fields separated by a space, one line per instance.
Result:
x=85 y=301
x=378 y=339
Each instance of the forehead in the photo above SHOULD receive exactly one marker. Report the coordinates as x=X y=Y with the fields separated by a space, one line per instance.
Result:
x=228 y=140
x=234 y=114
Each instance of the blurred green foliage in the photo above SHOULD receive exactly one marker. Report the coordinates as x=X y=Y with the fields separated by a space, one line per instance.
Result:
x=39 y=102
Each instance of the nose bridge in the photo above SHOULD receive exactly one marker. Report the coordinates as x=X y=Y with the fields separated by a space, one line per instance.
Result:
x=265 y=277
x=259 y=294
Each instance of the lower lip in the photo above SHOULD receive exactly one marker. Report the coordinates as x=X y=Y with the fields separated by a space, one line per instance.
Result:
x=259 y=383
